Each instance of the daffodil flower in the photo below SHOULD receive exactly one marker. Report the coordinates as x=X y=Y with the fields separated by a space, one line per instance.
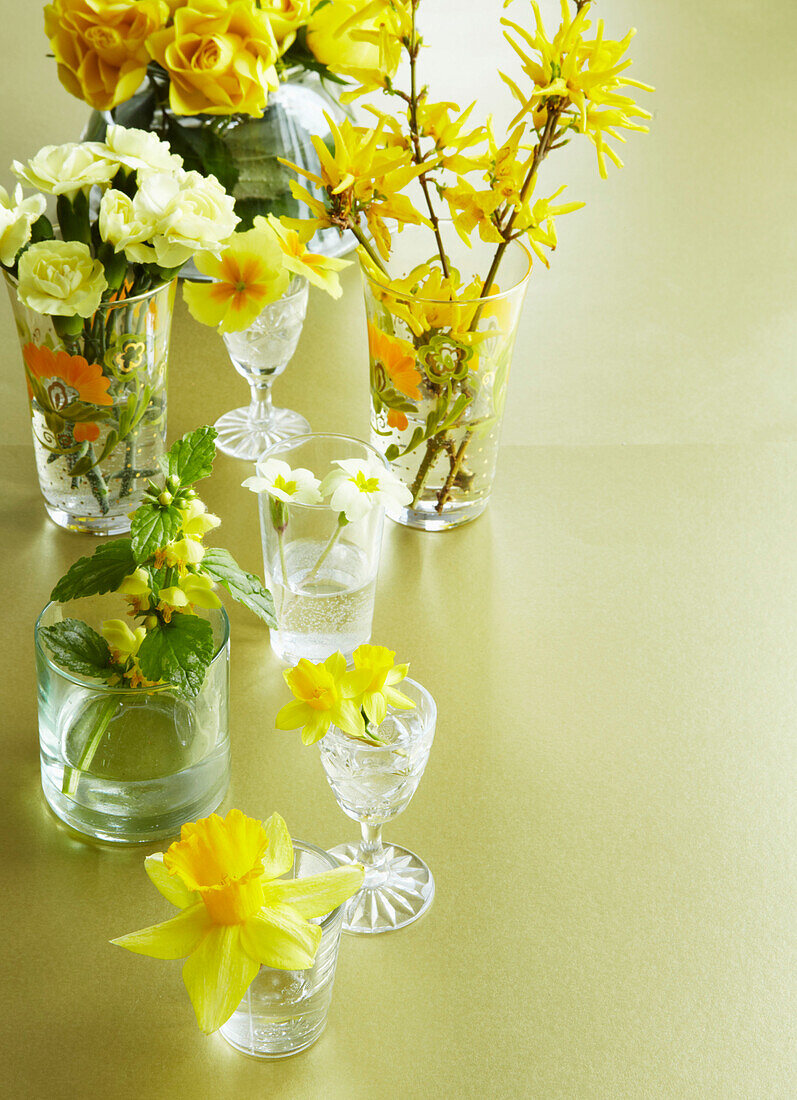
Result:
x=276 y=478
x=237 y=913
x=358 y=486
x=325 y=695
x=379 y=693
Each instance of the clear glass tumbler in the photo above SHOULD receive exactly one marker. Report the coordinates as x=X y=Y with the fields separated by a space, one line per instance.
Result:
x=284 y=1011
x=373 y=784
x=131 y=764
x=260 y=354
x=322 y=575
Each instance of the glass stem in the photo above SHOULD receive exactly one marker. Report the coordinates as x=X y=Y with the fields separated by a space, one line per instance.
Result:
x=371 y=852
x=261 y=410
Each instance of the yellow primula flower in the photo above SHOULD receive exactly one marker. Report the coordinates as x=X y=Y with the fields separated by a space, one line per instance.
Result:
x=325 y=694
x=248 y=275
x=384 y=673
x=321 y=271
x=237 y=913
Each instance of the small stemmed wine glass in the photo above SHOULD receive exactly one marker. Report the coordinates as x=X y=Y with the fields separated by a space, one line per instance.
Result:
x=260 y=354
x=372 y=784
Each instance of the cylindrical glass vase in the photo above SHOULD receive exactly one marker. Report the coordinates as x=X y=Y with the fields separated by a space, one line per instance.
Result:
x=284 y=1011
x=322 y=575
x=131 y=764
x=98 y=406
x=438 y=374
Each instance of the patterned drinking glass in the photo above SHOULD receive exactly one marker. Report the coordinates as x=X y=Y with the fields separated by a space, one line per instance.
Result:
x=373 y=784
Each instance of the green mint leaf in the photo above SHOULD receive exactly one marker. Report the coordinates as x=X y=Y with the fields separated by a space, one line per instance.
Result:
x=104 y=571
x=190 y=458
x=245 y=587
x=152 y=527
x=77 y=647
x=178 y=652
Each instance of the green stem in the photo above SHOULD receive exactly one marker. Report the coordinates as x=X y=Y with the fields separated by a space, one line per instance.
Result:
x=342 y=522
x=358 y=233
x=433 y=448
x=71 y=777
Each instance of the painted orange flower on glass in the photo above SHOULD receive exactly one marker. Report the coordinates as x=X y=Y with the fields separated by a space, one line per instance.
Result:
x=59 y=380
x=397 y=358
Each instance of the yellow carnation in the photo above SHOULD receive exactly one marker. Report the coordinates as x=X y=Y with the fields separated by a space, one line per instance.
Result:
x=219 y=56
x=100 y=46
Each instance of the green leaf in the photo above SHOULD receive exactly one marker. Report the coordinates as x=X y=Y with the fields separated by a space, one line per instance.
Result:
x=244 y=587
x=203 y=151
x=104 y=571
x=456 y=411
x=190 y=458
x=178 y=652
x=77 y=647
x=152 y=527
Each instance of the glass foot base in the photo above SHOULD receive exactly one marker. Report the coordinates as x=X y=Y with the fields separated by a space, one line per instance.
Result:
x=90 y=525
x=239 y=437
x=425 y=516
x=392 y=896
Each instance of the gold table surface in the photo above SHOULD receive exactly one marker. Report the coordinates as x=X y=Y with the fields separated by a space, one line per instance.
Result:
x=608 y=808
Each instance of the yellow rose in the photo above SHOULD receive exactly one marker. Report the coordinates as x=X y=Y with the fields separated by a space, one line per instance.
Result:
x=17 y=215
x=100 y=46
x=285 y=17
x=219 y=56
x=346 y=53
x=61 y=278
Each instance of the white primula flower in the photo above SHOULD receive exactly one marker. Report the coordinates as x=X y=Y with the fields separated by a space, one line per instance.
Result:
x=65 y=169
x=121 y=224
x=276 y=478
x=358 y=486
x=17 y=215
x=140 y=149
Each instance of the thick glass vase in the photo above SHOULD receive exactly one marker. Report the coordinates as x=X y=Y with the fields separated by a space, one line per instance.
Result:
x=130 y=764
x=439 y=370
x=97 y=406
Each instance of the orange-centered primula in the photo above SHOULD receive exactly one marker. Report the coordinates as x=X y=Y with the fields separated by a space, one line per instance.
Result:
x=238 y=913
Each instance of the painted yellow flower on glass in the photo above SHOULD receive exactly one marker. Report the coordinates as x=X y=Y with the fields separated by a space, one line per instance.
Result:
x=237 y=912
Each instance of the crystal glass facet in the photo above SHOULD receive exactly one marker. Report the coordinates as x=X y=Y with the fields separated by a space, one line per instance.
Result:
x=98 y=406
x=373 y=784
x=260 y=354
x=284 y=1011
x=433 y=363
x=131 y=764
x=322 y=576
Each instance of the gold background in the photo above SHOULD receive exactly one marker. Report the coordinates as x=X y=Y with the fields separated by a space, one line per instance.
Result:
x=608 y=808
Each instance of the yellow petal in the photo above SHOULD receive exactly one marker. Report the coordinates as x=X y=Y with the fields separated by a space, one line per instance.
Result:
x=203 y=305
x=399 y=700
x=292 y=716
x=281 y=938
x=173 y=939
x=172 y=888
x=217 y=975
x=316 y=895
x=278 y=857
x=375 y=707
x=316 y=727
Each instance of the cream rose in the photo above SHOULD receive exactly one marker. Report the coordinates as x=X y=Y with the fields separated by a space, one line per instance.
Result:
x=65 y=169
x=61 y=278
x=17 y=215
x=122 y=225
x=139 y=149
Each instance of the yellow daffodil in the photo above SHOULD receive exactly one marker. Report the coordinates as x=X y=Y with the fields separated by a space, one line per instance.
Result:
x=321 y=271
x=324 y=695
x=248 y=276
x=384 y=673
x=237 y=913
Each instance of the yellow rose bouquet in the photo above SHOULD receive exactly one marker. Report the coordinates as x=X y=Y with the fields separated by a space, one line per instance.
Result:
x=92 y=291
x=201 y=73
x=444 y=297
